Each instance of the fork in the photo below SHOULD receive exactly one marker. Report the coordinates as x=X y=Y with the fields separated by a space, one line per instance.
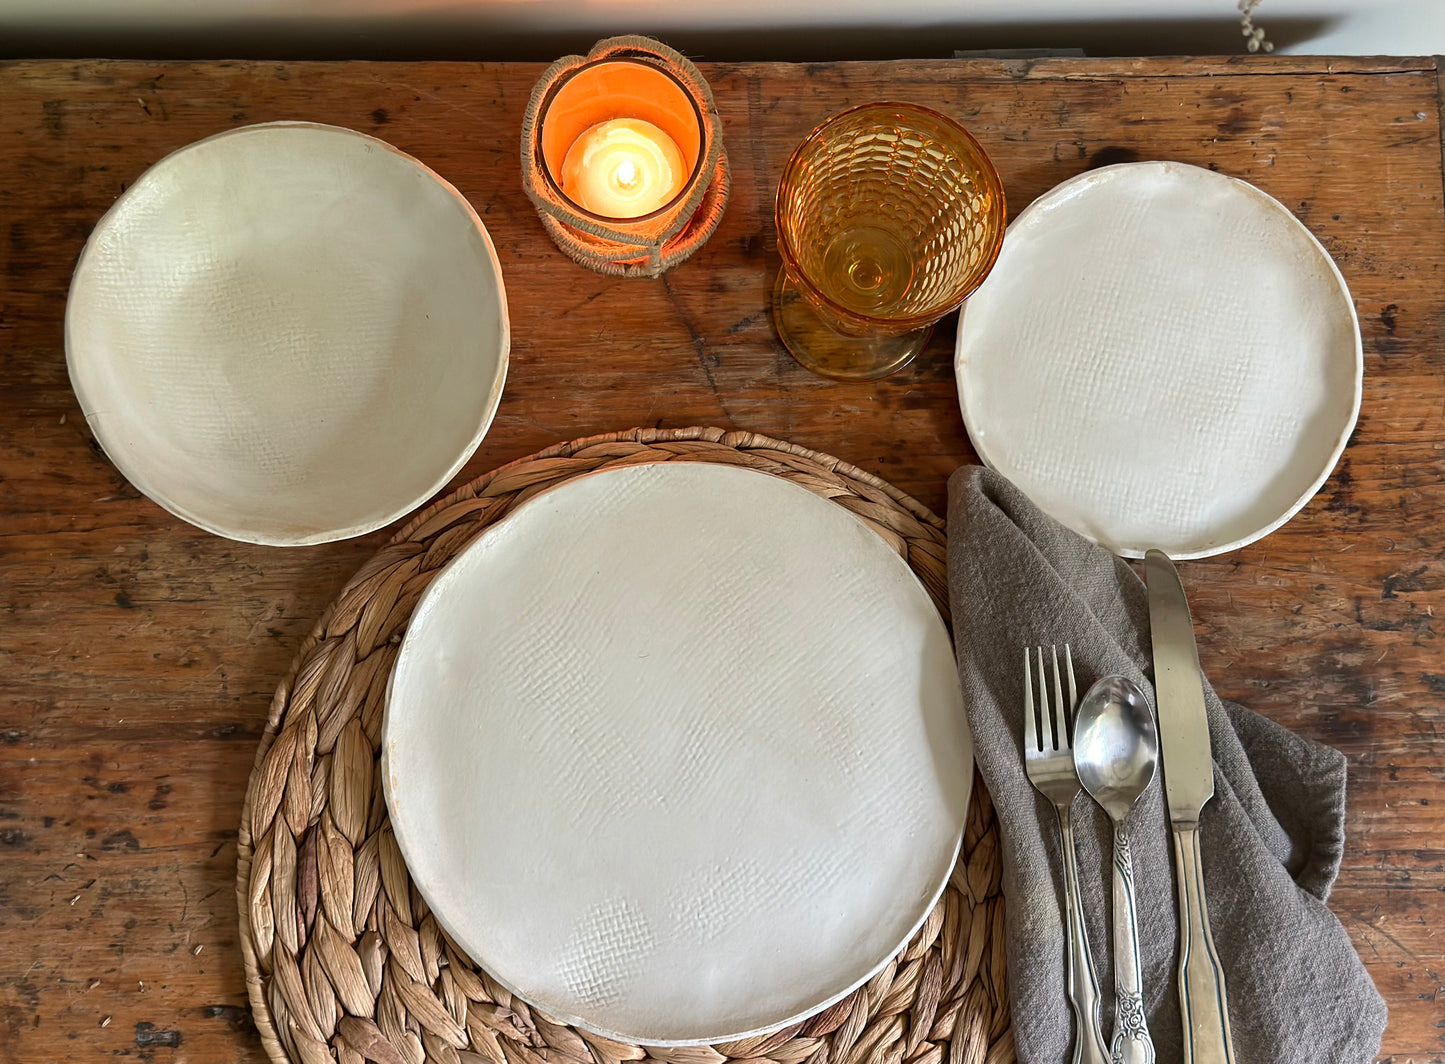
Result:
x=1049 y=762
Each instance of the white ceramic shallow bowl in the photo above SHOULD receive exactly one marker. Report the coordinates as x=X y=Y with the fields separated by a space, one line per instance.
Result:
x=288 y=333
x=1162 y=357
x=678 y=753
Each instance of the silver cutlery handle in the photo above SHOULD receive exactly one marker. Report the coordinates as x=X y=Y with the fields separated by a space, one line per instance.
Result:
x=1203 y=1005
x=1132 y=1044
x=1083 y=984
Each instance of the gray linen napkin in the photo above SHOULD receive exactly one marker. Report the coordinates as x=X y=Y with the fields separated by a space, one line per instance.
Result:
x=1272 y=836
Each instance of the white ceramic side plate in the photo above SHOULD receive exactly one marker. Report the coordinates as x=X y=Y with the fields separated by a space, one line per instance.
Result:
x=678 y=753
x=288 y=333
x=1162 y=357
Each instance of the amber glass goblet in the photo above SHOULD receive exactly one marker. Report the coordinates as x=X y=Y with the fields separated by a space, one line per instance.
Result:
x=888 y=216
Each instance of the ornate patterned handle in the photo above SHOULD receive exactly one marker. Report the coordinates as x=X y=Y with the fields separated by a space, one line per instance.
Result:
x=1203 y=1005
x=1083 y=984
x=1132 y=1044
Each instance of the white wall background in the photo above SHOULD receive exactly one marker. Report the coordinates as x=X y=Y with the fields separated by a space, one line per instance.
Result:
x=1392 y=27
x=801 y=29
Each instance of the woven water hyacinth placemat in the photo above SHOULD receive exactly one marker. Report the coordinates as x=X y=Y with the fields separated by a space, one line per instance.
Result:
x=345 y=963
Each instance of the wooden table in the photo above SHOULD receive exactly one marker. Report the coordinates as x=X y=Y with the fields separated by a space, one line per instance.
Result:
x=138 y=655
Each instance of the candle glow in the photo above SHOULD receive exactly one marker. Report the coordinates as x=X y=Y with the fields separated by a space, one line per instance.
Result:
x=623 y=168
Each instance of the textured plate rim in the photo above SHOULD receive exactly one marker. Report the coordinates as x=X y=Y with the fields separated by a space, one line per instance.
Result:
x=427 y=601
x=255 y=535
x=1254 y=192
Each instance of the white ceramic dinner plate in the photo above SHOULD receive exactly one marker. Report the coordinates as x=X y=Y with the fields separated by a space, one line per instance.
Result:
x=288 y=333
x=1162 y=357
x=677 y=752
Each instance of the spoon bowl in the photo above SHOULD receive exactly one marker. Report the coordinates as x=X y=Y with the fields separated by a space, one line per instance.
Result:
x=1116 y=744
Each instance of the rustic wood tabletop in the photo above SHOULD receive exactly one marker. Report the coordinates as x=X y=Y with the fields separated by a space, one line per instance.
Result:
x=138 y=655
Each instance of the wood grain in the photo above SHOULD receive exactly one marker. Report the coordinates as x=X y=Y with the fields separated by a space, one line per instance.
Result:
x=138 y=655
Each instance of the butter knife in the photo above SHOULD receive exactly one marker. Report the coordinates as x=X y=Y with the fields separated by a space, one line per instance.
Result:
x=1188 y=784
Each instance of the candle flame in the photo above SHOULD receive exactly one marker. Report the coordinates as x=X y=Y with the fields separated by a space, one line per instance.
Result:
x=627 y=173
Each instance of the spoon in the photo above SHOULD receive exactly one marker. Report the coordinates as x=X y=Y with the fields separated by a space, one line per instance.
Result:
x=1116 y=749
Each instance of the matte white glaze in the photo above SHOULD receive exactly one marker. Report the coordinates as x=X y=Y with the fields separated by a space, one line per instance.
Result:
x=288 y=333
x=677 y=752
x=1162 y=357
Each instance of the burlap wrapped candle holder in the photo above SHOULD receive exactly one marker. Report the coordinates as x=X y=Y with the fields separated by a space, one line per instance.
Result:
x=626 y=77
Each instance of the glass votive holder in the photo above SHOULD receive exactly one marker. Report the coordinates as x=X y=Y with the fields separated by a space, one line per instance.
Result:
x=622 y=156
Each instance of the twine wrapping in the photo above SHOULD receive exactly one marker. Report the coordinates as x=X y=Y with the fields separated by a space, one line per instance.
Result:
x=626 y=251
x=345 y=963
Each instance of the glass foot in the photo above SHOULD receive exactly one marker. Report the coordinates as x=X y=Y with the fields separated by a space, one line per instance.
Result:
x=828 y=353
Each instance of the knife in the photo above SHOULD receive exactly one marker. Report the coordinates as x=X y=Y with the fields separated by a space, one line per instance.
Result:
x=1188 y=784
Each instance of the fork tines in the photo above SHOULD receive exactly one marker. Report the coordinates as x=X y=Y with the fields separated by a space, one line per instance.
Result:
x=1044 y=724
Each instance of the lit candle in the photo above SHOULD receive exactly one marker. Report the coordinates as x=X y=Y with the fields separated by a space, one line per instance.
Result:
x=623 y=168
